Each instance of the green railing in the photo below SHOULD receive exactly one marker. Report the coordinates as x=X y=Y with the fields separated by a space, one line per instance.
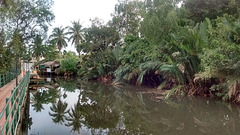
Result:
x=11 y=113
x=8 y=76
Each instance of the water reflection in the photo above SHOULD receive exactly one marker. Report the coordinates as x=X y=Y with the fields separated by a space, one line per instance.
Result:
x=43 y=96
x=76 y=107
x=59 y=111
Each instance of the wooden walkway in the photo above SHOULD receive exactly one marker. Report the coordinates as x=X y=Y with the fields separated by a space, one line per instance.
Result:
x=5 y=92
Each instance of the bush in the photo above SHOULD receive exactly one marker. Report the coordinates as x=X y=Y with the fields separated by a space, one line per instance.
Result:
x=68 y=65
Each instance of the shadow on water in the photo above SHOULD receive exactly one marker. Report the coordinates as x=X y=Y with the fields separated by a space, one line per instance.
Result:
x=73 y=107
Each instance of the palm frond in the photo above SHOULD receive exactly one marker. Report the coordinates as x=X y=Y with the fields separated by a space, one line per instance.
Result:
x=146 y=67
x=172 y=91
x=121 y=71
x=174 y=70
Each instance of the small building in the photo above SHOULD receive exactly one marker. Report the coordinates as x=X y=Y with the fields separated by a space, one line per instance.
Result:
x=49 y=67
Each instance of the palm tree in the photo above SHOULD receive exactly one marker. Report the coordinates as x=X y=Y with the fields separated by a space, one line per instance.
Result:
x=38 y=49
x=59 y=38
x=59 y=111
x=76 y=35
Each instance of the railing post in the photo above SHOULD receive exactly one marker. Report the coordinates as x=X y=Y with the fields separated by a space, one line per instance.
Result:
x=7 y=127
x=4 y=81
x=7 y=108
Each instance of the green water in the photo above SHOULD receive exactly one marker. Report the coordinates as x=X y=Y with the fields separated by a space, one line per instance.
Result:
x=71 y=107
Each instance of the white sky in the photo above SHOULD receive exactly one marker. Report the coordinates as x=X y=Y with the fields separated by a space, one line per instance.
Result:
x=66 y=11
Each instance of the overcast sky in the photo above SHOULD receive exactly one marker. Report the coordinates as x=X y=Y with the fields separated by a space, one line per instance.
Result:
x=73 y=10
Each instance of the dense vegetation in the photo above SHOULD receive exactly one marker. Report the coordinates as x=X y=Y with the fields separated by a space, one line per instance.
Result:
x=189 y=46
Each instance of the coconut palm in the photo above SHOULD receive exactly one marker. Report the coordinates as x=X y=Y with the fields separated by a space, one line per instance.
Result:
x=75 y=33
x=59 y=38
x=38 y=49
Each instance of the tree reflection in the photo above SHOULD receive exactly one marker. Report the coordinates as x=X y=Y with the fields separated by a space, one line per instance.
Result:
x=37 y=102
x=98 y=107
x=75 y=118
x=43 y=96
x=69 y=85
x=59 y=111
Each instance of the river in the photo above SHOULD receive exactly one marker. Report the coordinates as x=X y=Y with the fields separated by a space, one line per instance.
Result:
x=72 y=107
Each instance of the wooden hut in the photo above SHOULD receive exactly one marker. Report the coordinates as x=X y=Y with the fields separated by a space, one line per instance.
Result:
x=49 y=67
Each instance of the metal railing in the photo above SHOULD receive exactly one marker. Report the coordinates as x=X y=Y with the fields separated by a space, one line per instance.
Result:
x=10 y=115
x=8 y=76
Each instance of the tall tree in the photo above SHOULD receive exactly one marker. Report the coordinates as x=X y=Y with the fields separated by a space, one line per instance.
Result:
x=28 y=17
x=2 y=43
x=99 y=36
x=76 y=36
x=22 y=20
x=127 y=17
x=59 y=37
x=160 y=20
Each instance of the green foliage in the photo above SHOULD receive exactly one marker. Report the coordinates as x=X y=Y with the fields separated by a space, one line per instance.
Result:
x=99 y=37
x=20 y=22
x=127 y=17
x=187 y=44
x=134 y=53
x=51 y=53
x=38 y=49
x=200 y=9
x=164 y=43
x=68 y=64
x=76 y=36
x=159 y=21
x=172 y=91
x=222 y=55
x=221 y=58
x=28 y=17
x=147 y=67
x=59 y=37
x=99 y=64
